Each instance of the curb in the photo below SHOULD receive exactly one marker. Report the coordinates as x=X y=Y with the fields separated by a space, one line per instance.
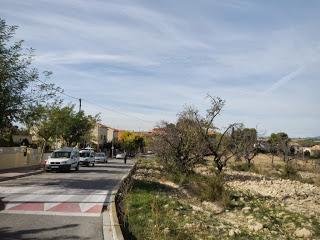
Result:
x=21 y=175
x=111 y=226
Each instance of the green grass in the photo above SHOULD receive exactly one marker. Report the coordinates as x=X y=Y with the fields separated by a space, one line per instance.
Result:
x=153 y=211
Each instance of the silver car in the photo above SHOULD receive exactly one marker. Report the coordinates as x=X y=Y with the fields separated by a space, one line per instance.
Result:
x=87 y=157
x=120 y=156
x=101 y=157
x=63 y=159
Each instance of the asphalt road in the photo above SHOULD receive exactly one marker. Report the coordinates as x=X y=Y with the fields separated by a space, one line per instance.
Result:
x=59 y=205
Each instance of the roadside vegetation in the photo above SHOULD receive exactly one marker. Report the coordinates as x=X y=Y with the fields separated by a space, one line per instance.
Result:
x=210 y=183
x=163 y=206
x=29 y=103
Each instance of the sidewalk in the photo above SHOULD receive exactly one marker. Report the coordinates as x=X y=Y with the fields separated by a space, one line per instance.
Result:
x=19 y=172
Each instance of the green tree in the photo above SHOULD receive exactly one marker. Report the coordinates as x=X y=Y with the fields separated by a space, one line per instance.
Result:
x=66 y=124
x=247 y=144
x=21 y=90
x=280 y=144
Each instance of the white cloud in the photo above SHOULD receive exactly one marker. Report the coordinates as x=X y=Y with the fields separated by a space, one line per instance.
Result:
x=87 y=57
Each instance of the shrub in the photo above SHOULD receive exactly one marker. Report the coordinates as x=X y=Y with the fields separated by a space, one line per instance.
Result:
x=217 y=191
x=207 y=188
x=243 y=167
x=290 y=172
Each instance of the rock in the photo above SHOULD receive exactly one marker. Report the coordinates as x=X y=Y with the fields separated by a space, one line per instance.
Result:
x=255 y=227
x=234 y=232
x=188 y=225
x=196 y=208
x=231 y=233
x=213 y=207
x=302 y=233
x=246 y=209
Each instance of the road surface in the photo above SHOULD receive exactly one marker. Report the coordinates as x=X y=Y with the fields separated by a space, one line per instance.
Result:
x=59 y=205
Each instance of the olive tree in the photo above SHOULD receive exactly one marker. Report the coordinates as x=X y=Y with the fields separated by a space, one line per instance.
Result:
x=280 y=142
x=247 y=144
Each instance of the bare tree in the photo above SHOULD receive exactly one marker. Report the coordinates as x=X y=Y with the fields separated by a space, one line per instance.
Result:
x=221 y=145
x=179 y=145
x=185 y=143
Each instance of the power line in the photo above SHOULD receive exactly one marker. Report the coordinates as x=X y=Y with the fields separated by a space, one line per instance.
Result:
x=95 y=104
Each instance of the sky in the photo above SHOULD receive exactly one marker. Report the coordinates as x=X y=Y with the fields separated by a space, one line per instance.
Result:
x=141 y=61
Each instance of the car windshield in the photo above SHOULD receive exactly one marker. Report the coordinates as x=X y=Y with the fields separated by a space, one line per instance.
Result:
x=99 y=155
x=84 y=154
x=61 y=154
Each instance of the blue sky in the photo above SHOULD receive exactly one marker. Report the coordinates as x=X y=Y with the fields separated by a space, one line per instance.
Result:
x=150 y=58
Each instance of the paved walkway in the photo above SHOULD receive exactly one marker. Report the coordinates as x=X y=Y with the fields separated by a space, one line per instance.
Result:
x=14 y=173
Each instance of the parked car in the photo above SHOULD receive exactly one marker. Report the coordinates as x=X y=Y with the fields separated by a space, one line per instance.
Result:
x=63 y=159
x=101 y=157
x=120 y=156
x=87 y=157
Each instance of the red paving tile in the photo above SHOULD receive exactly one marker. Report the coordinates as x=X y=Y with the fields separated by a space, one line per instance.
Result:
x=95 y=209
x=66 y=207
x=29 y=207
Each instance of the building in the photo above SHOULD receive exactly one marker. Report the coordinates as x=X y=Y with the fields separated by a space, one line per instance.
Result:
x=102 y=134
x=23 y=140
x=312 y=151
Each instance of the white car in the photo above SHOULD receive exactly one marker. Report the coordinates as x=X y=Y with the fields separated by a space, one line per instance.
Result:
x=101 y=157
x=120 y=156
x=63 y=159
x=87 y=157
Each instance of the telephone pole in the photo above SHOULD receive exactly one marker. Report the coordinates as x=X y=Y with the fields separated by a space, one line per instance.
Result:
x=79 y=104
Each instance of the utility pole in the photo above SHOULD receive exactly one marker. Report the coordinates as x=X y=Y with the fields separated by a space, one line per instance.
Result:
x=112 y=149
x=79 y=104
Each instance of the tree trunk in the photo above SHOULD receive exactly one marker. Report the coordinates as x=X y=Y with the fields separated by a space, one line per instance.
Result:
x=42 y=150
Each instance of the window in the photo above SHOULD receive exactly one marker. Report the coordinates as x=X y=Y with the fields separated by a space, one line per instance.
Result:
x=61 y=155
x=85 y=154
